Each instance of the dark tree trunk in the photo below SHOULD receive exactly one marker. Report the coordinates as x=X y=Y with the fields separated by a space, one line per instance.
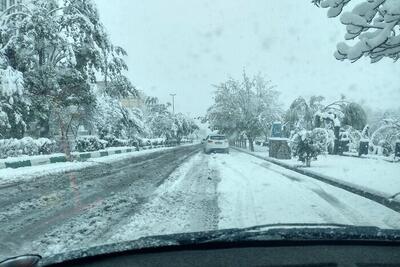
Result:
x=336 y=141
x=317 y=121
x=44 y=128
x=251 y=144
x=308 y=161
x=65 y=145
x=64 y=139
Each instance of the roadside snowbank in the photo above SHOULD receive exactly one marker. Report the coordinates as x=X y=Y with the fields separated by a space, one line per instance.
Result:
x=11 y=176
x=375 y=175
x=255 y=192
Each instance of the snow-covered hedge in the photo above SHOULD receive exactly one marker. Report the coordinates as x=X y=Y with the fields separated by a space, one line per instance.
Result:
x=93 y=143
x=152 y=141
x=158 y=141
x=26 y=146
x=89 y=143
x=113 y=141
x=145 y=142
x=171 y=142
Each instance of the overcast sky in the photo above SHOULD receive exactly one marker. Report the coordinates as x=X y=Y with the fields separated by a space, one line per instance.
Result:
x=186 y=46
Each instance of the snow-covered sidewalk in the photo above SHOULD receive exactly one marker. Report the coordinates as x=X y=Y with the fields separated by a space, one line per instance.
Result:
x=255 y=192
x=373 y=175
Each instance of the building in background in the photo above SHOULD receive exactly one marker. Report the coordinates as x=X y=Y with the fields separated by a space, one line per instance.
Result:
x=134 y=101
x=127 y=102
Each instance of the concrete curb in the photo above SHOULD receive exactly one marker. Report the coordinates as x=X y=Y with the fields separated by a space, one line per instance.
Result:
x=384 y=200
x=387 y=159
x=78 y=156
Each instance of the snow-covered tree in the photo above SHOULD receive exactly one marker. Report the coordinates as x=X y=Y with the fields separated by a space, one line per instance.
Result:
x=162 y=123
x=316 y=115
x=245 y=107
x=299 y=116
x=14 y=104
x=158 y=118
x=183 y=126
x=113 y=120
x=52 y=41
x=372 y=24
x=306 y=146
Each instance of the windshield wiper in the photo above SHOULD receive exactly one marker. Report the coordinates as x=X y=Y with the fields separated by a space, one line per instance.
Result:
x=307 y=232
x=262 y=233
x=302 y=226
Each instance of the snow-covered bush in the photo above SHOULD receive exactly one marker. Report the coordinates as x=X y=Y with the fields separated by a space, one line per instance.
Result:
x=9 y=148
x=154 y=142
x=161 y=141
x=113 y=141
x=353 y=136
x=46 y=146
x=157 y=141
x=305 y=147
x=383 y=139
x=134 y=142
x=171 y=142
x=89 y=143
x=140 y=142
x=26 y=146
x=145 y=142
x=324 y=139
x=386 y=148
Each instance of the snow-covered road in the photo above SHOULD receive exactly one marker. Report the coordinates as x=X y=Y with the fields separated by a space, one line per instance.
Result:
x=254 y=192
x=63 y=211
x=171 y=192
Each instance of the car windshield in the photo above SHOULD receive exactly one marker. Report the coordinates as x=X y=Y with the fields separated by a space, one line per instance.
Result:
x=130 y=119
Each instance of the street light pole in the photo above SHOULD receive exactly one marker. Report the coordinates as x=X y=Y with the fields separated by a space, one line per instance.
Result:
x=173 y=103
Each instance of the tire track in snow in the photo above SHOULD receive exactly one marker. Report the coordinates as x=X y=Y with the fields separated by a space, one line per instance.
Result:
x=244 y=211
x=186 y=202
x=81 y=211
x=315 y=187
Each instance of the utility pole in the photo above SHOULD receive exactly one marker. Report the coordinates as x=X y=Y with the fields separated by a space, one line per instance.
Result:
x=173 y=103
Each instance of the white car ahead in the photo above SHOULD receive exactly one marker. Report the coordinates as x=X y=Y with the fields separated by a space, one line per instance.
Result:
x=216 y=143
